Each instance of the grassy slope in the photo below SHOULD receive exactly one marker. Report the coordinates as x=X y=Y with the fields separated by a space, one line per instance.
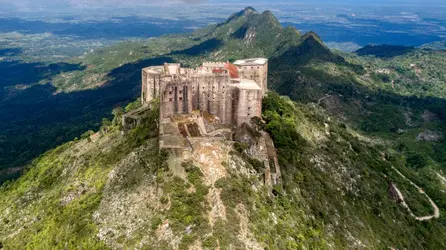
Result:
x=52 y=204
x=344 y=179
x=363 y=101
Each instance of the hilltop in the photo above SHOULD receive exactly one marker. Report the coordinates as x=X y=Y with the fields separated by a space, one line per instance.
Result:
x=107 y=190
x=346 y=141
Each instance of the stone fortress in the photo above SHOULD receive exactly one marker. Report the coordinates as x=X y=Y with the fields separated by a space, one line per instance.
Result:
x=205 y=111
x=231 y=92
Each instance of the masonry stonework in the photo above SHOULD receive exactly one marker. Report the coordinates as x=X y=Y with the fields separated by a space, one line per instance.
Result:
x=209 y=107
x=231 y=92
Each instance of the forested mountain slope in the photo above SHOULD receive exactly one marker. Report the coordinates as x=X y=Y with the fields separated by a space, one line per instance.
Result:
x=109 y=190
x=343 y=138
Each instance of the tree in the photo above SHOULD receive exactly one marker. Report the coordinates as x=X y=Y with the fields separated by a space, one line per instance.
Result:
x=417 y=160
x=117 y=112
x=105 y=124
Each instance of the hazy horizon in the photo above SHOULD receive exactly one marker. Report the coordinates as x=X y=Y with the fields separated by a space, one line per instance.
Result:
x=61 y=4
x=381 y=22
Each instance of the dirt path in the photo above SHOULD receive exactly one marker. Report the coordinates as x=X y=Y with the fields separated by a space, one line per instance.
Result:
x=321 y=99
x=441 y=178
x=400 y=195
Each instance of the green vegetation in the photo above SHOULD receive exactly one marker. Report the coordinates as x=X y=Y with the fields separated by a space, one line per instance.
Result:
x=52 y=205
x=440 y=45
x=281 y=123
x=384 y=51
x=343 y=181
x=417 y=202
x=414 y=73
x=59 y=102
x=346 y=121
x=389 y=102
x=333 y=192
x=187 y=207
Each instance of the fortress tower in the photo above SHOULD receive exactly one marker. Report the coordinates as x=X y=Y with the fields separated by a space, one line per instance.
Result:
x=254 y=69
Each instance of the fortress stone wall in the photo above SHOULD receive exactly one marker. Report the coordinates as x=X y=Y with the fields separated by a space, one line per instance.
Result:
x=232 y=92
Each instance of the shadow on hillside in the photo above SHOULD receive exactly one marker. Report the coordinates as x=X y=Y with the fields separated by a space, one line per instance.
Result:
x=17 y=72
x=36 y=120
x=240 y=33
x=309 y=51
x=202 y=48
x=373 y=112
x=384 y=51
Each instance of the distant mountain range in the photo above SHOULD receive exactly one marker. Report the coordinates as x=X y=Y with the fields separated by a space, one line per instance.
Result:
x=441 y=45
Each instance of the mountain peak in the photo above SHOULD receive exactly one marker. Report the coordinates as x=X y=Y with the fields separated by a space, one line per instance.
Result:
x=249 y=10
x=268 y=15
x=311 y=35
x=265 y=22
x=245 y=12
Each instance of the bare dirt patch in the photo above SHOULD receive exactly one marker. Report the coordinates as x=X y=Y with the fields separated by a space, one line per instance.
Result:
x=209 y=154
x=245 y=234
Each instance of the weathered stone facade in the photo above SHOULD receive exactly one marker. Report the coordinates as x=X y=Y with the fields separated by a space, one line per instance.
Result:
x=232 y=92
x=210 y=108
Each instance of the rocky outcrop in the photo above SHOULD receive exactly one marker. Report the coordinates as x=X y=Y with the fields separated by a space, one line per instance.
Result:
x=260 y=147
x=394 y=193
x=429 y=135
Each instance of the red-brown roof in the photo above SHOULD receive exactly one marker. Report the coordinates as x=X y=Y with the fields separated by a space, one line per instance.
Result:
x=217 y=70
x=233 y=70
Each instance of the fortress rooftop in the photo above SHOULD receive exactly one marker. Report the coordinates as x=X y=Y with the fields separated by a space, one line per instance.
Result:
x=246 y=84
x=154 y=70
x=251 y=61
